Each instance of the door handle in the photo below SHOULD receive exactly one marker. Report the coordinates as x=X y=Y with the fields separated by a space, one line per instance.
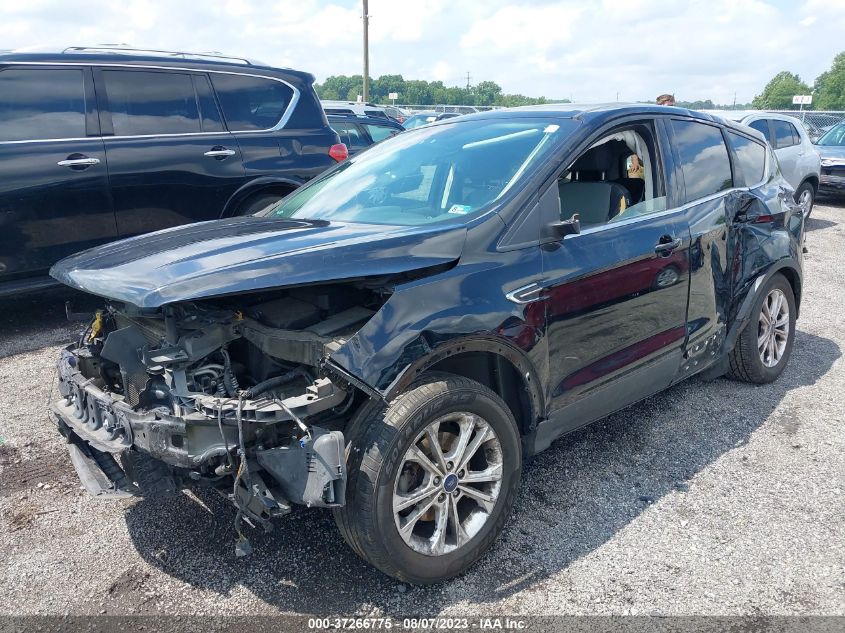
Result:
x=219 y=153
x=666 y=245
x=79 y=162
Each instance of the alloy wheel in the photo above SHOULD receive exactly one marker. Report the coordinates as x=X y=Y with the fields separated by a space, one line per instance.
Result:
x=773 y=328
x=805 y=201
x=447 y=484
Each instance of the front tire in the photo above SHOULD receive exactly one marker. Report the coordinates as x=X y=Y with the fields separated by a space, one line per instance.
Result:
x=763 y=349
x=805 y=197
x=432 y=479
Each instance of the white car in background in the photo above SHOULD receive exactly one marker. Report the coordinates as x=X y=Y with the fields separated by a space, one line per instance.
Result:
x=798 y=158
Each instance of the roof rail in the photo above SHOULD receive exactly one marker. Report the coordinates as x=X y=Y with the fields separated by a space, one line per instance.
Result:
x=130 y=50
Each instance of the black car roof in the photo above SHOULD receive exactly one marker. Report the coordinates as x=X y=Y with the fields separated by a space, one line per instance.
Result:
x=597 y=114
x=375 y=120
x=146 y=57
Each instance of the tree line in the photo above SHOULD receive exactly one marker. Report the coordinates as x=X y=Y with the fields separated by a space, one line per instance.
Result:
x=828 y=92
x=421 y=92
x=828 y=89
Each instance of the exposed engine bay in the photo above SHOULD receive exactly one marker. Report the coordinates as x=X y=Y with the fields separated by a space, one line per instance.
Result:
x=232 y=393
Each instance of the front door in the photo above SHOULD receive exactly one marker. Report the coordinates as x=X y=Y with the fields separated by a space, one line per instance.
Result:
x=616 y=294
x=171 y=161
x=54 y=197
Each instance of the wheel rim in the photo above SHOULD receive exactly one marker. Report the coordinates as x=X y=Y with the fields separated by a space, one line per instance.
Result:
x=773 y=328
x=667 y=277
x=805 y=201
x=447 y=484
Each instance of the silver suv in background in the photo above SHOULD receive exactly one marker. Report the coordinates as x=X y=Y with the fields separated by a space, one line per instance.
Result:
x=798 y=158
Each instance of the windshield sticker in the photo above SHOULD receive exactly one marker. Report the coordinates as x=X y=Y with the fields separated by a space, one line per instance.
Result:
x=460 y=209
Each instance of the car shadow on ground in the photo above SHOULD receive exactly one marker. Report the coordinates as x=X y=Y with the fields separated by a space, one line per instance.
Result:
x=574 y=497
x=32 y=321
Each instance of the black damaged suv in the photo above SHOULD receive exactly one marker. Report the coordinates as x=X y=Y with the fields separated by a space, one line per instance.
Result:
x=102 y=143
x=394 y=338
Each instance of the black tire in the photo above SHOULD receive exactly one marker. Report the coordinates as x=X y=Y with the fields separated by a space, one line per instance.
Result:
x=745 y=361
x=257 y=203
x=378 y=439
x=806 y=188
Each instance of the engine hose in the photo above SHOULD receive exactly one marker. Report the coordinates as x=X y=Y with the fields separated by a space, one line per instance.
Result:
x=271 y=383
x=230 y=381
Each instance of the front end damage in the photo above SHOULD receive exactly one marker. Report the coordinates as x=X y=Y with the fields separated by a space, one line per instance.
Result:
x=232 y=394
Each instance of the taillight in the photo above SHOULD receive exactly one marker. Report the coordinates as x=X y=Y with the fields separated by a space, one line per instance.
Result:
x=339 y=152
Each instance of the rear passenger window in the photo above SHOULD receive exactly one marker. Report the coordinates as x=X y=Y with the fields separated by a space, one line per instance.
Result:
x=38 y=104
x=751 y=157
x=761 y=125
x=349 y=135
x=251 y=103
x=785 y=134
x=211 y=120
x=381 y=132
x=704 y=159
x=143 y=102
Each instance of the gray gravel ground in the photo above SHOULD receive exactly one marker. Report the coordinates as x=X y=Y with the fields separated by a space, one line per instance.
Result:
x=711 y=498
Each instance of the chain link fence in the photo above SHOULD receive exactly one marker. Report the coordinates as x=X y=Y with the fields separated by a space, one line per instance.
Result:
x=815 y=122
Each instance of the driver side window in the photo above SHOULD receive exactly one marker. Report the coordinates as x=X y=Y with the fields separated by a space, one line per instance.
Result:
x=615 y=179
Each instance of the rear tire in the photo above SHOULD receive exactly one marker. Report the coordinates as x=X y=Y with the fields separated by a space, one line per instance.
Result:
x=457 y=516
x=805 y=197
x=763 y=349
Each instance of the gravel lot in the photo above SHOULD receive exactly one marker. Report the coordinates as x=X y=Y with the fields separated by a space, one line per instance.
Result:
x=711 y=498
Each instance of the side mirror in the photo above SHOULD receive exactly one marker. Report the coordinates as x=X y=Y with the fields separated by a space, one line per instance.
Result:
x=562 y=228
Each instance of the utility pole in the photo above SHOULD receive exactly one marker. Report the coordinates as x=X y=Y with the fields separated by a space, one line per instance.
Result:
x=734 y=105
x=366 y=52
x=467 y=81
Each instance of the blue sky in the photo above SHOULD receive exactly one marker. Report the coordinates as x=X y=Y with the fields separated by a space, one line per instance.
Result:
x=587 y=51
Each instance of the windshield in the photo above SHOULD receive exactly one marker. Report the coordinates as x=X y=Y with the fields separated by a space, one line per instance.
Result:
x=437 y=173
x=835 y=136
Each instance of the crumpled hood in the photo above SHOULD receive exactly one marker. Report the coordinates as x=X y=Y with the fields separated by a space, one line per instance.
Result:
x=252 y=253
x=831 y=151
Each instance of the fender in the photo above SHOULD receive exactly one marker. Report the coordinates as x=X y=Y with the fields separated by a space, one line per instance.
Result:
x=743 y=313
x=255 y=186
x=483 y=343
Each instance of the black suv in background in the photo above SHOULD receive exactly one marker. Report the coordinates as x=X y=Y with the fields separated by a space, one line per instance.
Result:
x=103 y=143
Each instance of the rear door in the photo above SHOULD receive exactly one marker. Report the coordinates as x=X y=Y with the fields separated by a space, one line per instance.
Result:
x=789 y=150
x=54 y=197
x=616 y=302
x=703 y=173
x=171 y=161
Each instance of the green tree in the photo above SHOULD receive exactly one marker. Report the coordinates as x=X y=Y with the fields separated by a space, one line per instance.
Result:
x=486 y=93
x=830 y=86
x=778 y=93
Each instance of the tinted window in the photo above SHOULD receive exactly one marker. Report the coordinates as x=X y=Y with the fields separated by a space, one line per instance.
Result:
x=41 y=104
x=381 y=132
x=211 y=119
x=785 y=134
x=144 y=102
x=251 y=103
x=751 y=157
x=349 y=135
x=761 y=125
x=704 y=158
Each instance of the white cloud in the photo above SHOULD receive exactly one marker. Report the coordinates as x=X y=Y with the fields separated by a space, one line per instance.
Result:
x=588 y=50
